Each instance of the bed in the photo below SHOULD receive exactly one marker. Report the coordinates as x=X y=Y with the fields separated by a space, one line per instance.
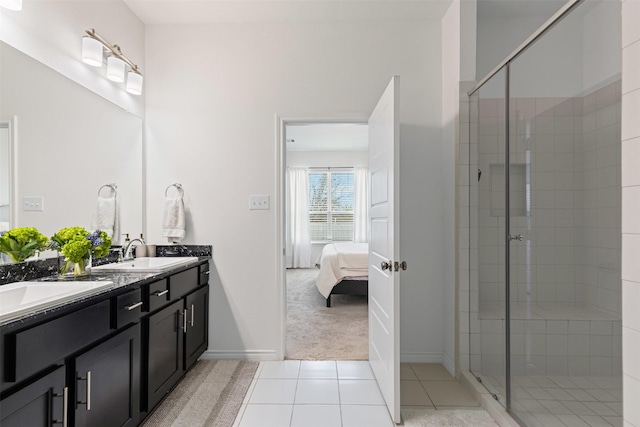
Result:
x=344 y=270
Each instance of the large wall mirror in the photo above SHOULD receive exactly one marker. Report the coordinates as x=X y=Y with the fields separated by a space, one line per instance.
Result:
x=68 y=143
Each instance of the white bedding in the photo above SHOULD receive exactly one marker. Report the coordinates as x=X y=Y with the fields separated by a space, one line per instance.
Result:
x=340 y=261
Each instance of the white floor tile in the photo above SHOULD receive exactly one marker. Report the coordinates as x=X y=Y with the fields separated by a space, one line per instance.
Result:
x=572 y=421
x=354 y=370
x=318 y=392
x=406 y=373
x=316 y=416
x=602 y=395
x=266 y=416
x=360 y=392
x=549 y=420
x=365 y=415
x=318 y=369
x=281 y=369
x=274 y=391
x=595 y=421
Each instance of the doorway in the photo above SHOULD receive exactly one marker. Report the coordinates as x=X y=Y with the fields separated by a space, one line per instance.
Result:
x=321 y=165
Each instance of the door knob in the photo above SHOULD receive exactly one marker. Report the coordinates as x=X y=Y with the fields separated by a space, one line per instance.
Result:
x=400 y=265
x=386 y=265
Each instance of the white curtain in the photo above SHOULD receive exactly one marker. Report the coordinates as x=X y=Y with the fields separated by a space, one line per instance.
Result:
x=361 y=205
x=298 y=239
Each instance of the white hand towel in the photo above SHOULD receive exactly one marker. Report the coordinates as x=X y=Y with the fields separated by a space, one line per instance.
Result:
x=173 y=223
x=106 y=217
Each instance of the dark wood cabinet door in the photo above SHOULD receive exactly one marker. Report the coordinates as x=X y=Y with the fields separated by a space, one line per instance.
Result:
x=165 y=351
x=40 y=404
x=108 y=382
x=196 y=338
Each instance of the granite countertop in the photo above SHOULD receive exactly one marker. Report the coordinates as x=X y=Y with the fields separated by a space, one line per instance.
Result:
x=121 y=281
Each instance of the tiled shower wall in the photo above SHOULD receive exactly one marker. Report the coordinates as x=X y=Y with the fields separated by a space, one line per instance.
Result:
x=567 y=152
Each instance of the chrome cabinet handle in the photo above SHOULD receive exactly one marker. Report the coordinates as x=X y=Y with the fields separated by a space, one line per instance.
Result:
x=159 y=294
x=193 y=310
x=65 y=401
x=518 y=237
x=207 y=272
x=131 y=307
x=184 y=322
x=88 y=401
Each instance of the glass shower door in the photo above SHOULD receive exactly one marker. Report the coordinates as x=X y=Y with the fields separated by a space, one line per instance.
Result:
x=487 y=296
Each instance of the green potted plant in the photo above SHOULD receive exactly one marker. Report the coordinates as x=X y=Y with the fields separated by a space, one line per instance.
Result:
x=78 y=245
x=22 y=243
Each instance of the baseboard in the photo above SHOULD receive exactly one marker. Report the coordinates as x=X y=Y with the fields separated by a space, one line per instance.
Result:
x=421 y=357
x=449 y=364
x=257 y=355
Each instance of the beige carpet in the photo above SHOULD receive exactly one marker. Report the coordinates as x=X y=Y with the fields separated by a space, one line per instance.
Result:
x=318 y=332
x=210 y=394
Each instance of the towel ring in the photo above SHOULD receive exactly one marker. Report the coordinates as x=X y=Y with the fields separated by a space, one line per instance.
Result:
x=178 y=187
x=113 y=187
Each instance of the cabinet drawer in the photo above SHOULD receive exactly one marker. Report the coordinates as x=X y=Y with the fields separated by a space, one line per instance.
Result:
x=204 y=274
x=182 y=283
x=157 y=294
x=36 y=348
x=128 y=308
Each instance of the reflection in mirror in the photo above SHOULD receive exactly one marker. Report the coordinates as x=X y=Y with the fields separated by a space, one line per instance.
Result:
x=5 y=175
x=69 y=142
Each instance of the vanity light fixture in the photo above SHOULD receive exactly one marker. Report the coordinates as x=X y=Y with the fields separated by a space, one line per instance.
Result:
x=93 y=47
x=11 y=4
x=115 y=69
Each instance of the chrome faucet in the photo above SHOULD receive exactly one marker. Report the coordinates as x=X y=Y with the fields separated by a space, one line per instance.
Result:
x=128 y=252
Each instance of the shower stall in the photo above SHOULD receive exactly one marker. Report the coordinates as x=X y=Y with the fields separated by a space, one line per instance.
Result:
x=545 y=216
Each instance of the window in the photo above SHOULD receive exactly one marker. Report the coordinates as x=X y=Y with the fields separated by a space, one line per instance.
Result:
x=331 y=206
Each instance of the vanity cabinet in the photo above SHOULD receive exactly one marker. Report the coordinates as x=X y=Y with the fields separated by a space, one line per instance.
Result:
x=196 y=338
x=107 y=382
x=177 y=334
x=107 y=361
x=41 y=403
x=165 y=355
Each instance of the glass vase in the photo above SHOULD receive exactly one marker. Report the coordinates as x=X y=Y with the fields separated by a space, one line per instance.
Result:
x=72 y=270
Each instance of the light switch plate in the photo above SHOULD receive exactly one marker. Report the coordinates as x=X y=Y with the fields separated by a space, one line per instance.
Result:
x=33 y=203
x=258 y=203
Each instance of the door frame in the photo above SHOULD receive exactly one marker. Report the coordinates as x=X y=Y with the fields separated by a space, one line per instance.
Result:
x=281 y=217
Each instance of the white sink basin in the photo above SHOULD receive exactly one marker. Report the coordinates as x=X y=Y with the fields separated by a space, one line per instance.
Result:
x=144 y=265
x=21 y=298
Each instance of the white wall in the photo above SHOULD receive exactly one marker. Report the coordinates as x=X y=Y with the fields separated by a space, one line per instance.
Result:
x=631 y=210
x=450 y=109
x=51 y=32
x=211 y=125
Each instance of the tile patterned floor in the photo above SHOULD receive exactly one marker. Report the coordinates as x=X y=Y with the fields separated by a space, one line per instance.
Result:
x=295 y=393
x=555 y=401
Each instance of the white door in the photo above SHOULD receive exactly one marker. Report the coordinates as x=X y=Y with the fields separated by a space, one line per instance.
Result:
x=384 y=281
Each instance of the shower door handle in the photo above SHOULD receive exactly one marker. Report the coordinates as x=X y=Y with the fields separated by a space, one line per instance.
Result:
x=518 y=237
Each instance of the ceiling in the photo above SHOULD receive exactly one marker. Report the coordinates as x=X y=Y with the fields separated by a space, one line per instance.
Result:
x=244 y=11
x=327 y=137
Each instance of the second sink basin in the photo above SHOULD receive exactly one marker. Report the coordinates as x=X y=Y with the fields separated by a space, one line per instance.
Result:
x=144 y=265
x=17 y=299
